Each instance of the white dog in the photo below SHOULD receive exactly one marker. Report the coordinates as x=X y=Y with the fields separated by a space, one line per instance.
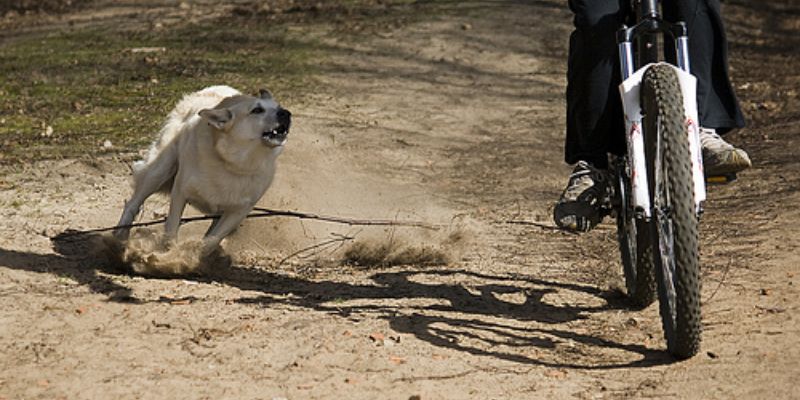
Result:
x=217 y=152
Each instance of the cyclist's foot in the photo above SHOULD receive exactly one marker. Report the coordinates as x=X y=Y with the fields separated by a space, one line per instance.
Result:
x=585 y=201
x=721 y=158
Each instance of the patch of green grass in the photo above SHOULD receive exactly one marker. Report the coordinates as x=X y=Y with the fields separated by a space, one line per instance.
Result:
x=65 y=94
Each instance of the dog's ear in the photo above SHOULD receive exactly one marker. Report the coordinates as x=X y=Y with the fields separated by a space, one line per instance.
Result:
x=217 y=117
x=265 y=94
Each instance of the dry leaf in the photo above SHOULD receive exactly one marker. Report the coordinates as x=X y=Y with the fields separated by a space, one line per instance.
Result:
x=556 y=373
x=397 y=360
x=377 y=337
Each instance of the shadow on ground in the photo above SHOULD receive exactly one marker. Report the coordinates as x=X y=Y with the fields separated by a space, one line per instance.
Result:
x=468 y=318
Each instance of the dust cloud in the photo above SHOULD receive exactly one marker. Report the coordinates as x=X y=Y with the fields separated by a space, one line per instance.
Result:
x=313 y=180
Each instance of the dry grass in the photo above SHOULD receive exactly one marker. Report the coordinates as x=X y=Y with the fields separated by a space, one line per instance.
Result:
x=391 y=251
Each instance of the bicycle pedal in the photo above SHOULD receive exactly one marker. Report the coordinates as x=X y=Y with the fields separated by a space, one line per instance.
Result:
x=721 y=179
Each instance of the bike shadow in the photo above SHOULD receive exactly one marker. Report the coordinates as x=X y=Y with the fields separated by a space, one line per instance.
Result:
x=474 y=319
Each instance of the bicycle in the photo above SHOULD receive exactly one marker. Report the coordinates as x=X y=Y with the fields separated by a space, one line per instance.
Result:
x=660 y=187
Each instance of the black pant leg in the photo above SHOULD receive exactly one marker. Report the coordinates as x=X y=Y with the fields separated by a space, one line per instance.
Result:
x=708 y=52
x=595 y=125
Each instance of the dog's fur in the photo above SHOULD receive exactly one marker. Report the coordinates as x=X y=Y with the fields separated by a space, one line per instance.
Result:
x=217 y=152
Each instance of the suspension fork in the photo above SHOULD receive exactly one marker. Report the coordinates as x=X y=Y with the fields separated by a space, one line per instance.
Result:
x=644 y=35
x=645 y=32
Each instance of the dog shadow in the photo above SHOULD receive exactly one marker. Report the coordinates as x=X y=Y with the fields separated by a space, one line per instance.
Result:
x=492 y=326
x=75 y=259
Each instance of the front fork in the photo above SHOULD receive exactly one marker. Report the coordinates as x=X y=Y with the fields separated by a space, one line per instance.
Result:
x=633 y=113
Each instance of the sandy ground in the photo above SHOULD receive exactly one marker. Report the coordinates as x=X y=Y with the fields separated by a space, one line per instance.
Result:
x=456 y=119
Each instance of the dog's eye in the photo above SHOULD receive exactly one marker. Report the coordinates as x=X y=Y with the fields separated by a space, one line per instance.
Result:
x=257 y=110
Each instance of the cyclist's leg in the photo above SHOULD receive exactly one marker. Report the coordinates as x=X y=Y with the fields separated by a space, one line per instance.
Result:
x=594 y=112
x=718 y=107
x=594 y=109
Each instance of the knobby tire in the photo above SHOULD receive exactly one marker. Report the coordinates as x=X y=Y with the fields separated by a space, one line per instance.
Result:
x=674 y=224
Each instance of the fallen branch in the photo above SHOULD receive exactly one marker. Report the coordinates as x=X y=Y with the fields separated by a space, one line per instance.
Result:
x=265 y=212
x=341 y=239
x=721 y=281
x=261 y=213
x=532 y=223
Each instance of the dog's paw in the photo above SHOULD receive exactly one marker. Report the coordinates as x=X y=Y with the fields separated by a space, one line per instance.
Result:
x=165 y=244
x=153 y=259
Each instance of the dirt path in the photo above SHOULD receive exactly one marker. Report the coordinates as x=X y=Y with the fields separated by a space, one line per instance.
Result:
x=453 y=118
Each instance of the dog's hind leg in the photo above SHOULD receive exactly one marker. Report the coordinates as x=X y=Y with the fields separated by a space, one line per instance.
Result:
x=148 y=179
x=132 y=208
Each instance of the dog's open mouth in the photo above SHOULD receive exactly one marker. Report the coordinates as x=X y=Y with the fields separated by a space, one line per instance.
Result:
x=277 y=136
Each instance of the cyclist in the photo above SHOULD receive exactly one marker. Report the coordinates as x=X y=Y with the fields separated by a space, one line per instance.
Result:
x=595 y=123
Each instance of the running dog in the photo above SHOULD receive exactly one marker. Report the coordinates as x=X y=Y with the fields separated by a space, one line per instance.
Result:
x=217 y=152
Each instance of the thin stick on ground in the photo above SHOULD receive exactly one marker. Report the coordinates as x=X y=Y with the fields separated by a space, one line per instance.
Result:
x=722 y=280
x=265 y=212
x=532 y=223
x=261 y=213
x=341 y=239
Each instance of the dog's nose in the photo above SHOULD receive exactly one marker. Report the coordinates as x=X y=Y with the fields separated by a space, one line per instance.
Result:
x=284 y=117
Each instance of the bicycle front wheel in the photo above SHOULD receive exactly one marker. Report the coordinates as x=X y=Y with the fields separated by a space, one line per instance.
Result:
x=674 y=226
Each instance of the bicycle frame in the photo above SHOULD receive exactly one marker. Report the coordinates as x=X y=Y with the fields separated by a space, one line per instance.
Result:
x=645 y=32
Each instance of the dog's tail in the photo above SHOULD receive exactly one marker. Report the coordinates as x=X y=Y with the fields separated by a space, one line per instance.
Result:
x=166 y=136
x=161 y=162
x=184 y=111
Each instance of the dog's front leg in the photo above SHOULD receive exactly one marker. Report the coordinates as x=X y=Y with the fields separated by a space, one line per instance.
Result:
x=222 y=227
x=214 y=223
